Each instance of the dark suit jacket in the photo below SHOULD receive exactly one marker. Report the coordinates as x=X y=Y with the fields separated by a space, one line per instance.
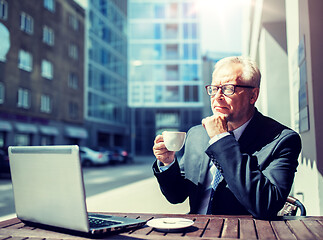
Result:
x=258 y=170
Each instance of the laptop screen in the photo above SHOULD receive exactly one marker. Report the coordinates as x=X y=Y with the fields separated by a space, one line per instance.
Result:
x=48 y=186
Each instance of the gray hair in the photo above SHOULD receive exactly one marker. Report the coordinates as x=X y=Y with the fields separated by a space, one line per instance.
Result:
x=251 y=73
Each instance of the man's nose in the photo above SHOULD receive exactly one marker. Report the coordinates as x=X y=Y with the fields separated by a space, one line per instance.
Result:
x=219 y=94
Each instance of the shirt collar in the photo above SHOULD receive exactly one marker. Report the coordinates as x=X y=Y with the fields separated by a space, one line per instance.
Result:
x=238 y=132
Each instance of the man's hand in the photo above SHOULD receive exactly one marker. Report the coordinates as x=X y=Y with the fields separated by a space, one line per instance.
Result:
x=215 y=125
x=161 y=152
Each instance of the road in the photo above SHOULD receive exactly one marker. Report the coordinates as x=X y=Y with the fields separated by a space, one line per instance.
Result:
x=97 y=180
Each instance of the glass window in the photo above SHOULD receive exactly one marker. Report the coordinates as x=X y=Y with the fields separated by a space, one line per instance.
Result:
x=159 y=11
x=172 y=73
x=46 y=140
x=171 y=94
x=73 y=51
x=23 y=98
x=190 y=30
x=142 y=31
x=73 y=81
x=141 y=10
x=189 y=10
x=45 y=104
x=48 y=36
x=73 y=110
x=47 y=69
x=2 y=93
x=189 y=72
x=3 y=10
x=171 y=31
x=49 y=5
x=22 y=140
x=172 y=51
x=173 y=10
x=26 y=23
x=157 y=29
x=73 y=22
x=191 y=93
x=25 y=61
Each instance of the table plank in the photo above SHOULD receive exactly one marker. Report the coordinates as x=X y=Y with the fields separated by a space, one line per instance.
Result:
x=299 y=229
x=247 y=229
x=213 y=228
x=315 y=227
x=197 y=229
x=282 y=231
x=264 y=230
x=230 y=228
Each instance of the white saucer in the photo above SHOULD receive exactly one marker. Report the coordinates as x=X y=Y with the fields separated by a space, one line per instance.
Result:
x=170 y=223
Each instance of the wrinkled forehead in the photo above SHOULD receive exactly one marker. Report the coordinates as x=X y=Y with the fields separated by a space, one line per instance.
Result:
x=228 y=73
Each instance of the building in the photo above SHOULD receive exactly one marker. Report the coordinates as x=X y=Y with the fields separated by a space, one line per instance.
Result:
x=106 y=110
x=41 y=72
x=285 y=38
x=165 y=75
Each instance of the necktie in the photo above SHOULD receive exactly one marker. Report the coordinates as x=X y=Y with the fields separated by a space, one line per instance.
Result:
x=218 y=177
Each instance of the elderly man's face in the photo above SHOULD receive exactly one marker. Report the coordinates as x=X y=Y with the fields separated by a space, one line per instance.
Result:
x=237 y=108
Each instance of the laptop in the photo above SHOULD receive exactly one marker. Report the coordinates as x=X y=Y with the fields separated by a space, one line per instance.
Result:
x=49 y=191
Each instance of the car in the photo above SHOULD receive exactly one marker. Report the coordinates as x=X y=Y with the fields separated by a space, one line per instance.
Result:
x=4 y=162
x=117 y=154
x=90 y=157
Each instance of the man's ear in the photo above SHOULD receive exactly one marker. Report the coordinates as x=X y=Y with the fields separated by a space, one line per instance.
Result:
x=254 y=96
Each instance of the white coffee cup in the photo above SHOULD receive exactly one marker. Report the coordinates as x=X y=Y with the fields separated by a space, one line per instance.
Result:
x=174 y=141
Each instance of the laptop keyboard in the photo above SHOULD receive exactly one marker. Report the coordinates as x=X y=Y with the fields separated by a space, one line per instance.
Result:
x=98 y=222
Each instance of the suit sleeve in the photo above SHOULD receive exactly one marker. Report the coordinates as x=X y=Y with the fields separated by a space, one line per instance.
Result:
x=261 y=188
x=172 y=183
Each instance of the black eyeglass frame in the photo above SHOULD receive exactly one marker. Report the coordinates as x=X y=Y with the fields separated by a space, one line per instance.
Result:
x=221 y=86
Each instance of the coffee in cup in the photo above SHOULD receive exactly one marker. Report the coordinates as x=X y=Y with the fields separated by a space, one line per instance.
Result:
x=174 y=141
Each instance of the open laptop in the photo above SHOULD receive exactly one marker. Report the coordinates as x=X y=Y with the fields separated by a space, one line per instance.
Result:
x=49 y=190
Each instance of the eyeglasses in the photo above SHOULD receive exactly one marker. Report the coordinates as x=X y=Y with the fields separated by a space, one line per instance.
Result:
x=227 y=89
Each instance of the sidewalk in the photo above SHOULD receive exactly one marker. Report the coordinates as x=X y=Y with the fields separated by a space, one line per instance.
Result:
x=140 y=197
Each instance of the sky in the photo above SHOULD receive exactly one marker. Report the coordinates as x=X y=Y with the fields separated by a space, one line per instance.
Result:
x=221 y=24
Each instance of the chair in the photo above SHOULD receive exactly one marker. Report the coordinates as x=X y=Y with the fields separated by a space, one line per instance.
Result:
x=291 y=206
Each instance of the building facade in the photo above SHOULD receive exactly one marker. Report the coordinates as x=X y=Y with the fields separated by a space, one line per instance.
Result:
x=41 y=77
x=285 y=38
x=106 y=111
x=164 y=77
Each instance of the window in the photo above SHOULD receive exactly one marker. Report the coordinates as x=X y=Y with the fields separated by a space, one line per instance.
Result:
x=26 y=23
x=48 y=36
x=73 y=81
x=47 y=69
x=1 y=93
x=22 y=139
x=171 y=31
x=23 y=98
x=3 y=9
x=25 y=61
x=49 y=5
x=73 y=51
x=191 y=93
x=45 y=104
x=73 y=110
x=73 y=22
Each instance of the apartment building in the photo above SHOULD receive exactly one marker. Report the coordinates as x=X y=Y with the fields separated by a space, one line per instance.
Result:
x=41 y=72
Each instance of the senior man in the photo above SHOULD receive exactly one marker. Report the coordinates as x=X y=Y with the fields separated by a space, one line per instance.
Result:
x=237 y=162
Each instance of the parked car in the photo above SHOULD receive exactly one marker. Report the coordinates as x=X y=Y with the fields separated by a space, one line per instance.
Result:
x=117 y=154
x=4 y=162
x=90 y=157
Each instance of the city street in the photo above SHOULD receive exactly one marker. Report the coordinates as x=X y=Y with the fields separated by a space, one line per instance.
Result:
x=113 y=188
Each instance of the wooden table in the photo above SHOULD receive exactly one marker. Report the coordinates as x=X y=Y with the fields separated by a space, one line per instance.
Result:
x=205 y=227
